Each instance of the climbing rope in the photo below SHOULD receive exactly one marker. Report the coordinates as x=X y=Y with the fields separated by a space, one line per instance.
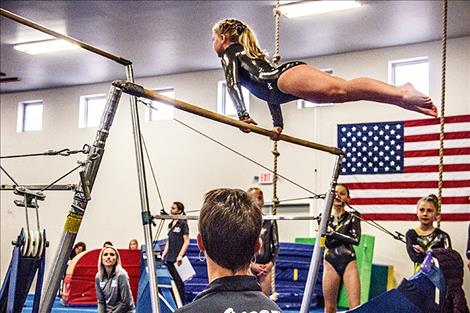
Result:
x=276 y=154
x=442 y=113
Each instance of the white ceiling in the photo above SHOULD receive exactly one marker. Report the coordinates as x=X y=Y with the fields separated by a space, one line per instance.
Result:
x=164 y=37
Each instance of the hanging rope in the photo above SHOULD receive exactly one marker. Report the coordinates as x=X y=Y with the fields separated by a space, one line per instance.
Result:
x=276 y=154
x=442 y=113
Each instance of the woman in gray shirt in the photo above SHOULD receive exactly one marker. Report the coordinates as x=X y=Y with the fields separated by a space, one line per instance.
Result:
x=113 y=290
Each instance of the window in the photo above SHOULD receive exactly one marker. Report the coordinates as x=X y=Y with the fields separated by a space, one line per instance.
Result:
x=302 y=104
x=29 y=116
x=161 y=111
x=91 y=110
x=414 y=71
x=224 y=102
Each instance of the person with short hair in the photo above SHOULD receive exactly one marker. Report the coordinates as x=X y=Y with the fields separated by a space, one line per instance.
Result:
x=426 y=237
x=113 y=290
x=177 y=244
x=229 y=228
x=262 y=267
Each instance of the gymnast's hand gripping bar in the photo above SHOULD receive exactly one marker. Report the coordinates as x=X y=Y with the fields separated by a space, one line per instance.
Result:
x=139 y=91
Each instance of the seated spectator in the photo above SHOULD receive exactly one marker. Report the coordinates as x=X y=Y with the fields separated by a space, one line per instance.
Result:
x=133 y=244
x=229 y=229
x=113 y=290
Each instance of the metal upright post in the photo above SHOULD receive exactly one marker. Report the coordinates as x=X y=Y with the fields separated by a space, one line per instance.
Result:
x=144 y=203
x=320 y=242
x=81 y=198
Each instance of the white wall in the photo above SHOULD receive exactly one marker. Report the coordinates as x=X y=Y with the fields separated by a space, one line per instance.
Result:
x=188 y=165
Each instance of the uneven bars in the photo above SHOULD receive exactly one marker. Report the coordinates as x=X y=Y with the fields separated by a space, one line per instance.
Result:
x=139 y=91
x=46 y=30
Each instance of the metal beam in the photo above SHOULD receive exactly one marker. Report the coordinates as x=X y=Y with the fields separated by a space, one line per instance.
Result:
x=139 y=91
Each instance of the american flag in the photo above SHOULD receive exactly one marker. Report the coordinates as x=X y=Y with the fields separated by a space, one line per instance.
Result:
x=390 y=165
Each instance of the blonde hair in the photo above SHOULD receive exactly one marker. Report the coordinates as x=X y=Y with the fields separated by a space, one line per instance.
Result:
x=237 y=31
x=433 y=199
x=101 y=269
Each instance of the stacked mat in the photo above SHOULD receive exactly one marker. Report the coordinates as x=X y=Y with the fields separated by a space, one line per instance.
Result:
x=291 y=274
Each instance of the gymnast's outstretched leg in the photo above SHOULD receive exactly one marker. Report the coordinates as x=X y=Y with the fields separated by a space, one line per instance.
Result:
x=311 y=84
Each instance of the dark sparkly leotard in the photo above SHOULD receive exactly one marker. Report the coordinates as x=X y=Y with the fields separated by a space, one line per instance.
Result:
x=339 y=243
x=259 y=77
x=437 y=239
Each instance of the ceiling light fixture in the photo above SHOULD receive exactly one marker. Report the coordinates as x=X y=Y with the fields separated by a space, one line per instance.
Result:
x=45 y=46
x=304 y=8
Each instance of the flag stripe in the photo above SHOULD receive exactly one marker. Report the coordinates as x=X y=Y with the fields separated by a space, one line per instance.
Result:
x=409 y=184
x=405 y=200
x=435 y=136
x=412 y=217
x=453 y=159
x=347 y=179
x=428 y=145
x=408 y=208
x=433 y=129
x=435 y=152
x=435 y=168
x=412 y=192
x=436 y=121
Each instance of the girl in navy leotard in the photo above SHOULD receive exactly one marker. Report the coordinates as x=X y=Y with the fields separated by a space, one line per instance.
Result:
x=245 y=64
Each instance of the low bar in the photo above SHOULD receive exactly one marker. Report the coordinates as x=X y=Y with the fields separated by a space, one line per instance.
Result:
x=265 y=217
x=139 y=91
x=41 y=187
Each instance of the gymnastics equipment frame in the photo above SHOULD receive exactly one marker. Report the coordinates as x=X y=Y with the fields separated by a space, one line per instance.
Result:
x=139 y=91
x=82 y=194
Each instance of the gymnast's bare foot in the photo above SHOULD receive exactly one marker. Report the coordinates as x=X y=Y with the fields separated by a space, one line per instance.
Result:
x=414 y=100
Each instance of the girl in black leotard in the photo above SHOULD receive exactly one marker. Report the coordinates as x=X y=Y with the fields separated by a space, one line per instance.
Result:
x=426 y=237
x=344 y=231
x=245 y=64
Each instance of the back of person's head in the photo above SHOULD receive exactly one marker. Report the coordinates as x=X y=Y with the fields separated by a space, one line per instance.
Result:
x=101 y=267
x=230 y=226
x=257 y=196
x=236 y=31
x=107 y=244
x=180 y=207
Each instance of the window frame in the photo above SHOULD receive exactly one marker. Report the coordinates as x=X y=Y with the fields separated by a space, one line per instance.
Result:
x=304 y=104
x=394 y=64
x=83 y=120
x=22 y=115
x=149 y=112
x=223 y=95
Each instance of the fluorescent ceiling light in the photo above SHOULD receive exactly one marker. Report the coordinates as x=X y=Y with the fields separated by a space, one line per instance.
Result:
x=45 y=46
x=304 y=8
